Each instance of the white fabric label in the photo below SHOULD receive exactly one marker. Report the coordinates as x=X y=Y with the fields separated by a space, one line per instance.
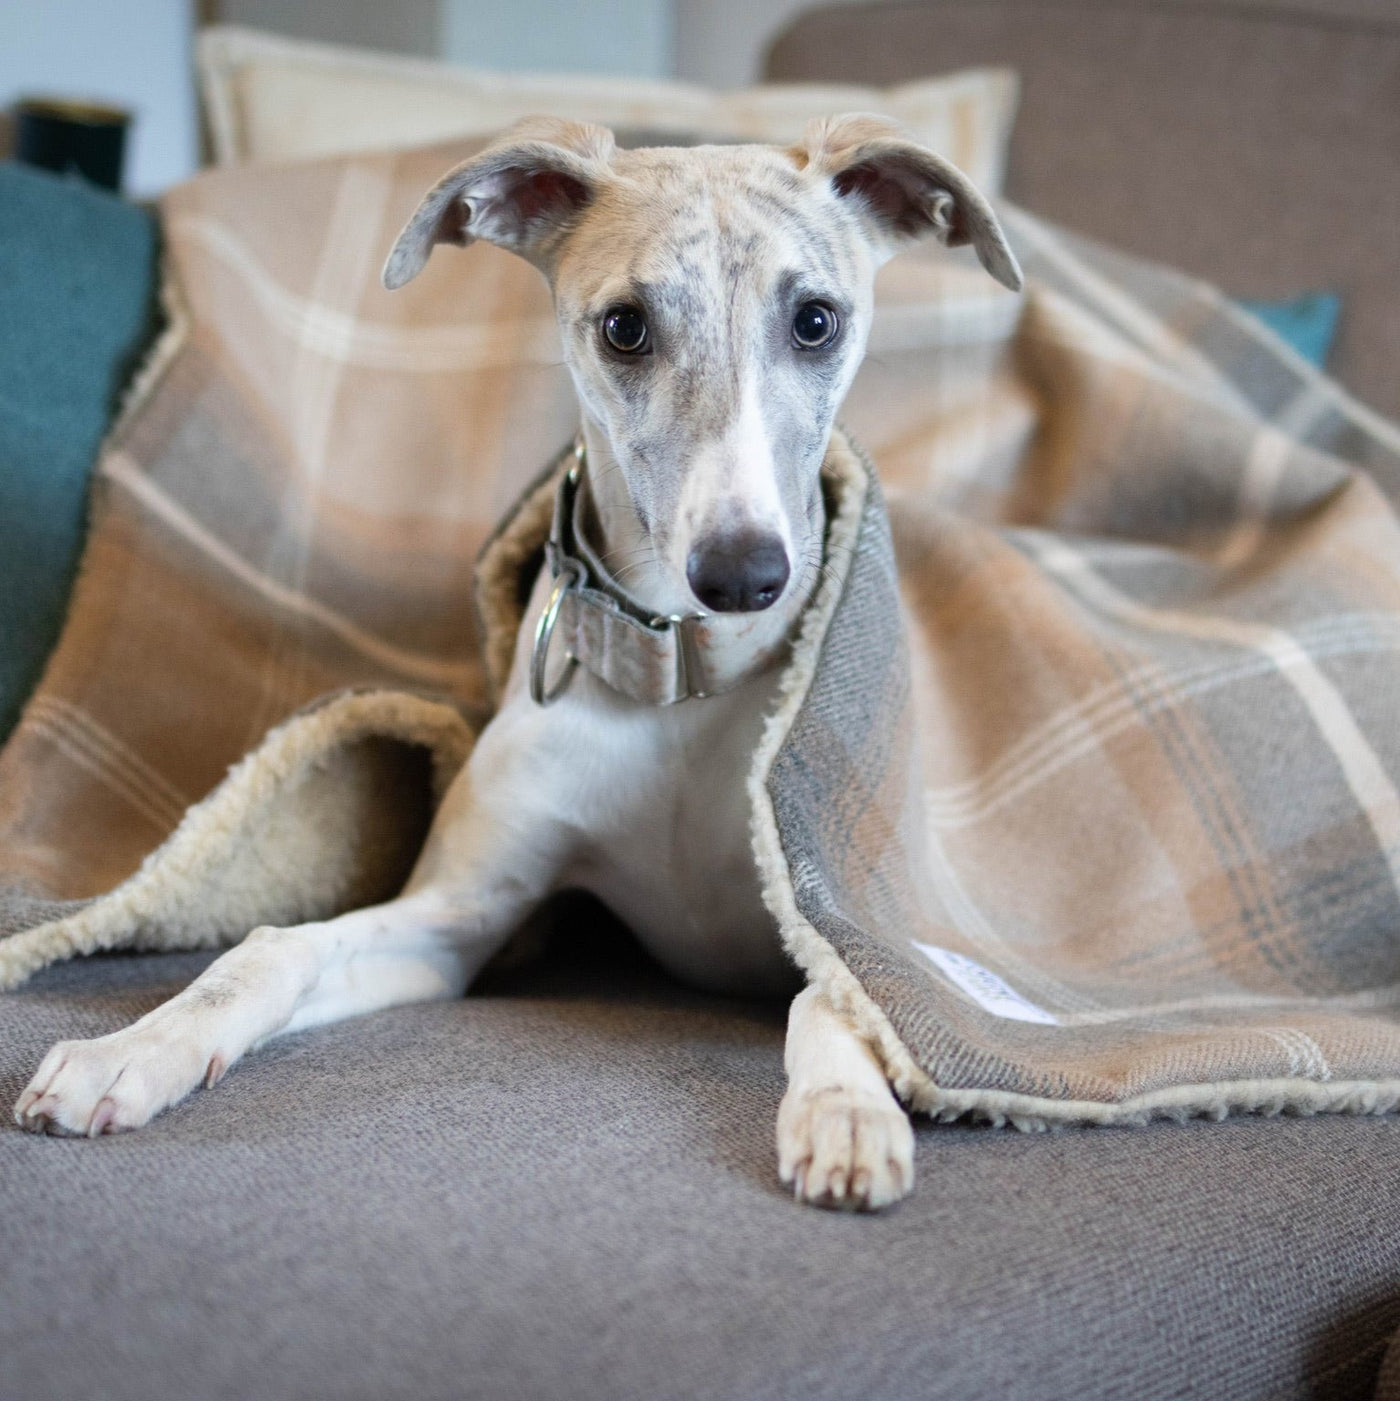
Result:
x=985 y=988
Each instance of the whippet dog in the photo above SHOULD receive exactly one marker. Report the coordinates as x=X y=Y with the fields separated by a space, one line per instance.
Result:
x=714 y=304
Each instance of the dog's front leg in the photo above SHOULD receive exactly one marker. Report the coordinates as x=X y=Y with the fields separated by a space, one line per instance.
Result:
x=275 y=980
x=843 y=1138
x=481 y=872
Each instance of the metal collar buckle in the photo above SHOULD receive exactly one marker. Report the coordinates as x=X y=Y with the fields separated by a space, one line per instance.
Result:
x=567 y=573
x=572 y=575
x=690 y=670
x=569 y=576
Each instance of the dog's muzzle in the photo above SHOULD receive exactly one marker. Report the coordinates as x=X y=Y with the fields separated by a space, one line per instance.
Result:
x=651 y=659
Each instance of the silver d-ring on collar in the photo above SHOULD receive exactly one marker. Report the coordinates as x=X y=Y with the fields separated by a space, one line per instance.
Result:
x=570 y=576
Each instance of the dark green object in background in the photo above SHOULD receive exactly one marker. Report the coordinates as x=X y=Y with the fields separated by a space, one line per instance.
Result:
x=80 y=138
x=78 y=277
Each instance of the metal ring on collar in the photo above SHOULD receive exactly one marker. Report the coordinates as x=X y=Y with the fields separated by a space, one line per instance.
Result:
x=570 y=577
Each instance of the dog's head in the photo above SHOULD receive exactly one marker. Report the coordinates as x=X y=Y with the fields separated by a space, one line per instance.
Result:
x=714 y=303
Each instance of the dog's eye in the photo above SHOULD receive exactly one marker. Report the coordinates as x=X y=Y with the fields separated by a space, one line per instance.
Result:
x=626 y=330
x=814 y=326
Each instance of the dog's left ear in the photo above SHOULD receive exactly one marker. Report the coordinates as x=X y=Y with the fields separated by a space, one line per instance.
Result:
x=521 y=193
x=905 y=190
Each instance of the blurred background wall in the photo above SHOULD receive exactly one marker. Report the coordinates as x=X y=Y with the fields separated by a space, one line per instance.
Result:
x=136 y=53
x=131 y=53
x=717 y=42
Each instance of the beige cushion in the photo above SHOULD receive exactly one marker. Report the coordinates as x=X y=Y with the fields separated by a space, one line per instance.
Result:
x=274 y=99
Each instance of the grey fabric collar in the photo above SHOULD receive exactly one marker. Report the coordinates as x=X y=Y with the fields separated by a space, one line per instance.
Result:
x=597 y=624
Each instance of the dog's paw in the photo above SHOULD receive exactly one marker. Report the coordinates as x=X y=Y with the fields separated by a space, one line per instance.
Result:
x=116 y=1082
x=845 y=1148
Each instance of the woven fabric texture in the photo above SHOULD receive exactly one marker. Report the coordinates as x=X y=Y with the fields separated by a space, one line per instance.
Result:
x=1087 y=771
x=563 y=1189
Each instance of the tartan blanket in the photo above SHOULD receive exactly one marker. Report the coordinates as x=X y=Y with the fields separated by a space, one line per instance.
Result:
x=1083 y=794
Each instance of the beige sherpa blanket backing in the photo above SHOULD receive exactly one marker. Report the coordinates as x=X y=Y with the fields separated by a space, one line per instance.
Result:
x=1084 y=793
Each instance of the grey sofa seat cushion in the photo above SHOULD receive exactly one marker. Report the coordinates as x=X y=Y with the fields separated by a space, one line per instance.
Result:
x=564 y=1188
x=1251 y=144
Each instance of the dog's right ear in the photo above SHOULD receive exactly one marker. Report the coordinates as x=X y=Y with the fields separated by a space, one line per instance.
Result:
x=521 y=193
x=904 y=190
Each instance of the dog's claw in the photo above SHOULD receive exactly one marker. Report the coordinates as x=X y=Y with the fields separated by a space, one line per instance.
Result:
x=38 y=1113
x=102 y=1116
x=89 y=1088
x=22 y=1107
x=845 y=1149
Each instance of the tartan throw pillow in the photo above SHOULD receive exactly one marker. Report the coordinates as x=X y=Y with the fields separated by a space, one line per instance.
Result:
x=273 y=99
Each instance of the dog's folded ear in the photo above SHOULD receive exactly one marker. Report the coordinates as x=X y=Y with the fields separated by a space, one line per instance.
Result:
x=521 y=193
x=904 y=189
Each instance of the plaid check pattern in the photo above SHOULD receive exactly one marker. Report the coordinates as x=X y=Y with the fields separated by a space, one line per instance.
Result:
x=1092 y=789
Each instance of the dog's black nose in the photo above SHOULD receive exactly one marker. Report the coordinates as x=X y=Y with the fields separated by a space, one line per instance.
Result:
x=740 y=573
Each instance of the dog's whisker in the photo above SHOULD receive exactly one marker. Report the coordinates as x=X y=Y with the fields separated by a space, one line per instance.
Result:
x=623 y=573
x=631 y=551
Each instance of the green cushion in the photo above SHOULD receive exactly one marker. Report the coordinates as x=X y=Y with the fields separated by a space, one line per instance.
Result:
x=1308 y=323
x=77 y=308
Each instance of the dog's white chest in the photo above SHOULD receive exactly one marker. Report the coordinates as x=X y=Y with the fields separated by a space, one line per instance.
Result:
x=676 y=862
x=652 y=806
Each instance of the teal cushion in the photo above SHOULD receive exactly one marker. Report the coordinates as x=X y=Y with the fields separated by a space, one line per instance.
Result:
x=1308 y=323
x=77 y=308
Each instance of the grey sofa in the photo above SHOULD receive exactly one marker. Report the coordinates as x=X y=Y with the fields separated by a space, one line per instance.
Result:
x=1255 y=143
x=564 y=1187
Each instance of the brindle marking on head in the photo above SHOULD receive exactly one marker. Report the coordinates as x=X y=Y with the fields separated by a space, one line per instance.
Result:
x=719 y=429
